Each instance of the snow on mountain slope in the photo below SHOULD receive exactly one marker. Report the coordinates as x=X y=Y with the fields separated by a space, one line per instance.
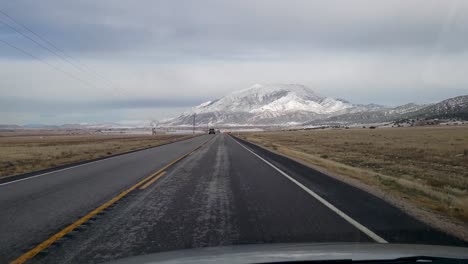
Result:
x=294 y=104
x=456 y=107
x=276 y=98
x=265 y=104
x=369 y=114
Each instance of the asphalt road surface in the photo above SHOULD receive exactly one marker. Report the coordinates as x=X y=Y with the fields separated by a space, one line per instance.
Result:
x=224 y=192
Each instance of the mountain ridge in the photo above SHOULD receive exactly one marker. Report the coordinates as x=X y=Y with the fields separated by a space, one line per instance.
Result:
x=296 y=104
x=257 y=104
x=271 y=104
x=286 y=105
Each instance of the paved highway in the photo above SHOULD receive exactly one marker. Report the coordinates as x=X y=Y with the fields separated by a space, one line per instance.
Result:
x=224 y=192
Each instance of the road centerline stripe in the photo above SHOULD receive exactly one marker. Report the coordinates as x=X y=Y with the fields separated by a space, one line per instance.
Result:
x=148 y=183
x=343 y=215
x=47 y=243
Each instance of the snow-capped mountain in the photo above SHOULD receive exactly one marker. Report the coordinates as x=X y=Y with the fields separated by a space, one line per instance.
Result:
x=367 y=116
x=273 y=98
x=274 y=104
x=295 y=104
x=453 y=108
x=456 y=107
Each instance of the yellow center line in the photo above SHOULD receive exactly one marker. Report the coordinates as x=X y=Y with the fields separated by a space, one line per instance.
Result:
x=148 y=183
x=45 y=244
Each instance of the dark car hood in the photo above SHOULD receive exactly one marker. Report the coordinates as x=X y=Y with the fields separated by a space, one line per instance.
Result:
x=270 y=253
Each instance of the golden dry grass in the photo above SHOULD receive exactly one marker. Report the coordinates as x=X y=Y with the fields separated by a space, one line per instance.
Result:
x=427 y=166
x=26 y=153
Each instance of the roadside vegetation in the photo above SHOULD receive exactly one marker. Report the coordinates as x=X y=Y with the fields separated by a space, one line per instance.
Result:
x=26 y=153
x=425 y=166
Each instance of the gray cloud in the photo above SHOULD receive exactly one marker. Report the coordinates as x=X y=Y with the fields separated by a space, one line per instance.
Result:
x=156 y=52
x=217 y=28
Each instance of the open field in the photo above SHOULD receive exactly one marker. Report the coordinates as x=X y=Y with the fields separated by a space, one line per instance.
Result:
x=20 y=153
x=425 y=166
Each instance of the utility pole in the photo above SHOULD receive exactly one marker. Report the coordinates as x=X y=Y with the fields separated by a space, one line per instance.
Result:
x=194 y=115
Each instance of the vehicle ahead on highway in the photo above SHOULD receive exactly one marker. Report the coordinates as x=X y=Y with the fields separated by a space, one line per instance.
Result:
x=211 y=131
x=308 y=253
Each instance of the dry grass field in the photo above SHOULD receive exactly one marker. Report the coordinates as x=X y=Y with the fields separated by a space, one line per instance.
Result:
x=28 y=152
x=426 y=166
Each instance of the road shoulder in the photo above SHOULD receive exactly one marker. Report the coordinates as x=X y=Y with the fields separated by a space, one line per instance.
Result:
x=437 y=221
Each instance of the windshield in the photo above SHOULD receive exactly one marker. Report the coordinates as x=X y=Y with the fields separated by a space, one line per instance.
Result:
x=136 y=127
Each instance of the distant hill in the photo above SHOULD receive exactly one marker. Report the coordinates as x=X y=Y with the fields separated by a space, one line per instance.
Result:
x=288 y=105
x=453 y=108
x=9 y=126
x=456 y=107
x=295 y=104
x=272 y=104
x=385 y=114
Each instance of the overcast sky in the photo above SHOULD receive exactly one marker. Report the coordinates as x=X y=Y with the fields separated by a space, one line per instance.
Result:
x=142 y=60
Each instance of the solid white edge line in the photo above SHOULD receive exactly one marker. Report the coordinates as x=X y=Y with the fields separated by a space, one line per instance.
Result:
x=350 y=220
x=76 y=166
x=54 y=171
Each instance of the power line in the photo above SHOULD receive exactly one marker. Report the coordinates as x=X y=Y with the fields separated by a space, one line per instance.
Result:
x=34 y=33
x=36 y=42
x=48 y=64
x=65 y=57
